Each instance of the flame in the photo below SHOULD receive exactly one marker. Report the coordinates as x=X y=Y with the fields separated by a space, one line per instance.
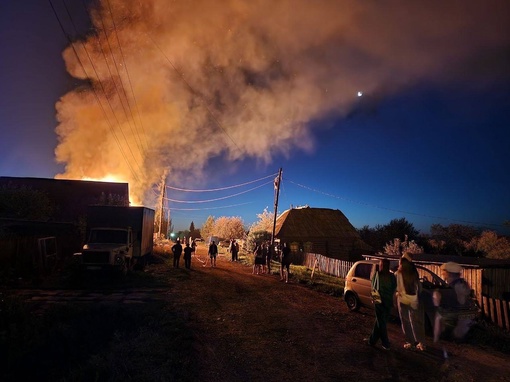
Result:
x=133 y=200
x=108 y=178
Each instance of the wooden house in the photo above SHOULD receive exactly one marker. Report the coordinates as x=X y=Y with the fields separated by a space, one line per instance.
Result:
x=321 y=231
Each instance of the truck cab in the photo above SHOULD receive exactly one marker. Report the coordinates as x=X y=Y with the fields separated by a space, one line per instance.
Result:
x=108 y=247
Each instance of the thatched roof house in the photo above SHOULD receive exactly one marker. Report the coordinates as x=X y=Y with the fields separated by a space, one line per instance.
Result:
x=320 y=230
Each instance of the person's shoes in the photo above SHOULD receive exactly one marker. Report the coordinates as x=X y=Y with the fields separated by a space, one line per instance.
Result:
x=420 y=346
x=385 y=347
x=408 y=346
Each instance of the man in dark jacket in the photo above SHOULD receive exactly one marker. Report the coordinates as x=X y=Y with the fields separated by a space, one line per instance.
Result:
x=386 y=285
x=177 y=251
x=213 y=252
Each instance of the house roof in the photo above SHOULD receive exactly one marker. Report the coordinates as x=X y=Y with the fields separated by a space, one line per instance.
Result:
x=314 y=222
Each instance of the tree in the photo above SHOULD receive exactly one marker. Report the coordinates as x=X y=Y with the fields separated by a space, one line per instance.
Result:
x=265 y=222
x=207 y=229
x=192 y=231
x=229 y=228
x=380 y=235
x=452 y=239
x=397 y=247
x=490 y=245
x=261 y=230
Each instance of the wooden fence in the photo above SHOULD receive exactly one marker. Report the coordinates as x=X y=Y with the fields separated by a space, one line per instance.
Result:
x=335 y=267
x=493 y=302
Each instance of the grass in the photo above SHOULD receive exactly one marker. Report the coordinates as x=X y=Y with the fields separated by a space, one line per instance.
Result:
x=320 y=282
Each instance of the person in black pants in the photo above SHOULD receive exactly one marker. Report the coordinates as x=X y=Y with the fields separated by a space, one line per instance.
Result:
x=386 y=285
x=177 y=251
x=285 y=266
x=187 y=256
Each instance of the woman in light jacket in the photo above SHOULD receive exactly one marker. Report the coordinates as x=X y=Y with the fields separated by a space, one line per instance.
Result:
x=408 y=291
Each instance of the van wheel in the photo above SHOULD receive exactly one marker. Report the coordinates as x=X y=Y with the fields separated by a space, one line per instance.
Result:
x=352 y=301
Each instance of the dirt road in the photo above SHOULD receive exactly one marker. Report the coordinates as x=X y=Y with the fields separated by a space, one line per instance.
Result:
x=255 y=328
x=216 y=324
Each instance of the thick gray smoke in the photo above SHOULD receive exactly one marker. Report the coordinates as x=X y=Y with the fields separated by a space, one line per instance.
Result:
x=180 y=82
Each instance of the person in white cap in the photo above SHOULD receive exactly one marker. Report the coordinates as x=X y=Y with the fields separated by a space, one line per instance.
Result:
x=452 y=303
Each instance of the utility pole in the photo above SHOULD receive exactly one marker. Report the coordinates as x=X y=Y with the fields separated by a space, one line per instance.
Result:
x=277 y=182
x=163 y=188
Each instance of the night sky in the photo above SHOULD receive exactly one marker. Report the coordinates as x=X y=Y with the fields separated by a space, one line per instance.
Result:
x=218 y=94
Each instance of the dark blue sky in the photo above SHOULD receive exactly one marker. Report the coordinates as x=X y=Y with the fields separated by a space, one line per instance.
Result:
x=429 y=143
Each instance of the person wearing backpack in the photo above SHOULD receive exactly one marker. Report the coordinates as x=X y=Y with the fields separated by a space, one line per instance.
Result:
x=455 y=307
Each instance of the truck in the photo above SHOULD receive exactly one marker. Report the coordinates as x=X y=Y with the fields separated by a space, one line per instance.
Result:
x=117 y=237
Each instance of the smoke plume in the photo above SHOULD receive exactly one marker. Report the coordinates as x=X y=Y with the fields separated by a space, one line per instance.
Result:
x=168 y=85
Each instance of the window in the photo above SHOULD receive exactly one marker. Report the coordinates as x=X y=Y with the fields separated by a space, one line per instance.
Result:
x=363 y=271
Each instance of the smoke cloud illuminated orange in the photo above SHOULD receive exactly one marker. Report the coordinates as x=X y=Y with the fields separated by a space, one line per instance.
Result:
x=173 y=84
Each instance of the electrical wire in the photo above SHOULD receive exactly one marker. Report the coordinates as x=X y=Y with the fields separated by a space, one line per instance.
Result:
x=135 y=176
x=222 y=188
x=222 y=198
x=129 y=79
x=210 y=208
x=123 y=102
x=391 y=209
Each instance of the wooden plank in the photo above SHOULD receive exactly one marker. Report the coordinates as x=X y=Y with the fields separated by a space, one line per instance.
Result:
x=499 y=318
x=491 y=309
x=485 y=305
x=506 y=308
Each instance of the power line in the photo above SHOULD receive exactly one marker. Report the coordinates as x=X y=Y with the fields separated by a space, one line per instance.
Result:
x=222 y=188
x=222 y=198
x=115 y=66
x=391 y=209
x=93 y=88
x=211 y=208
x=129 y=79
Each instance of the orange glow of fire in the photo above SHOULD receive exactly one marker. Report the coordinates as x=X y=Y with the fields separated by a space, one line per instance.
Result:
x=113 y=179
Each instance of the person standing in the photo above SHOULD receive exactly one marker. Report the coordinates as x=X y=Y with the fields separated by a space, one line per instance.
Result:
x=408 y=291
x=234 y=249
x=285 y=265
x=386 y=285
x=177 y=251
x=187 y=256
x=257 y=259
x=269 y=257
x=451 y=301
x=213 y=252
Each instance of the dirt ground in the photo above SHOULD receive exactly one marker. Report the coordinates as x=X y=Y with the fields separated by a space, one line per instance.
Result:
x=239 y=326
x=255 y=328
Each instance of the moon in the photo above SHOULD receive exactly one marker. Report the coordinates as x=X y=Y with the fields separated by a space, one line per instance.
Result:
x=360 y=94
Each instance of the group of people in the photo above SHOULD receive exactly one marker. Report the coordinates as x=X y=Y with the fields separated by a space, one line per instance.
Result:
x=188 y=250
x=263 y=255
x=262 y=258
x=406 y=284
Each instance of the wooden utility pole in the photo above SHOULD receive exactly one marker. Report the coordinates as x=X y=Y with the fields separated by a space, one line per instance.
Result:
x=163 y=188
x=277 y=182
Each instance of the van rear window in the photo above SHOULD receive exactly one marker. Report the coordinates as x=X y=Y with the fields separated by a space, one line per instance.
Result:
x=363 y=271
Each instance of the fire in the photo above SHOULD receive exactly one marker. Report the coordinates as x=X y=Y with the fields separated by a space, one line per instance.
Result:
x=107 y=178
x=133 y=200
